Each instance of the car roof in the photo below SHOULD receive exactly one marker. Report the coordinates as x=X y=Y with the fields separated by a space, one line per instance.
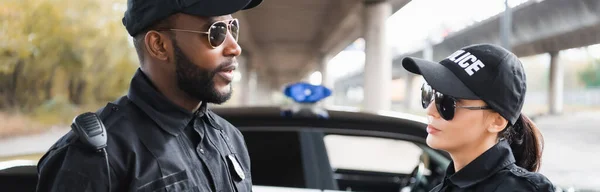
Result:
x=409 y=126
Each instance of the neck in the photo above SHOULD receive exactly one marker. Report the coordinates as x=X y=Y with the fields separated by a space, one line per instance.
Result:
x=466 y=154
x=167 y=86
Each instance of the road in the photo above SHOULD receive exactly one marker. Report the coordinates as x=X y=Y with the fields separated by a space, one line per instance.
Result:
x=572 y=149
x=31 y=144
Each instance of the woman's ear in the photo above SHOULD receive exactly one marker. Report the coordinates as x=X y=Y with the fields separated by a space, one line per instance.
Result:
x=498 y=123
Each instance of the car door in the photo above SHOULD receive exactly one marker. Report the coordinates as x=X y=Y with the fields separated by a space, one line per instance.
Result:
x=289 y=151
x=294 y=159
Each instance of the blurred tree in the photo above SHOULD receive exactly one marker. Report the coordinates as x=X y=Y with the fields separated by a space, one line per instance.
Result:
x=591 y=74
x=75 y=49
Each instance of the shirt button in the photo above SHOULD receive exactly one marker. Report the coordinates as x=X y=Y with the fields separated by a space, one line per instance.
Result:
x=201 y=150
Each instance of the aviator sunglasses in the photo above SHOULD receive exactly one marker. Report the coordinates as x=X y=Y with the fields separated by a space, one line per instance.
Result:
x=217 y=32
x=445 y=104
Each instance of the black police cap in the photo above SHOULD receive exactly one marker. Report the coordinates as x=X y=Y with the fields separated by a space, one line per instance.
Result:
x=483 y=72
x=140 y=14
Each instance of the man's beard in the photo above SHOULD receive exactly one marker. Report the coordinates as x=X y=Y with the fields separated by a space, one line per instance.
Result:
x=196 y=81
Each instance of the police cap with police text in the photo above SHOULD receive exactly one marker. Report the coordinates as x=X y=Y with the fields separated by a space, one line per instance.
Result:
x=480 y=72
x=141 y=14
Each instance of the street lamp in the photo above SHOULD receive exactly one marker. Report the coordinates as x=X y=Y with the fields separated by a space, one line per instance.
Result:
x=506 y=27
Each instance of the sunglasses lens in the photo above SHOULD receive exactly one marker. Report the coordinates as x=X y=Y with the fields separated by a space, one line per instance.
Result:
x=426 y=95
x=235 y=29
x=445 y=105
x=217 y=34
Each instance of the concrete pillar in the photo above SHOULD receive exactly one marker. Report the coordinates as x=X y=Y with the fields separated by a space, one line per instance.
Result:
x=249 y=79
x=323 y=69
x=555 y=90
x=244 y=83
x=378 y=62
x=325 y=81
x=408 y=93
x=249 y=86
x=263 y=90
x=409 y=100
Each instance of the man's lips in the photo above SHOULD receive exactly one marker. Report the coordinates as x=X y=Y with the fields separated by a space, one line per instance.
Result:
x=229 y=67
x=227 y=72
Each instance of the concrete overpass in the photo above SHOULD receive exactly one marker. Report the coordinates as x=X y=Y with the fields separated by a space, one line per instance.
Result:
x=285 y=40
x=537 y=27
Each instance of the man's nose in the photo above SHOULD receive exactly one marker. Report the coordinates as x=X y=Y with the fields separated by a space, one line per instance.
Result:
x=231 y=47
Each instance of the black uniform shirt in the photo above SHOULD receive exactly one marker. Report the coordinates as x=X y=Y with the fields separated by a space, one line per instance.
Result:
x=494 y=170
x=153 y=145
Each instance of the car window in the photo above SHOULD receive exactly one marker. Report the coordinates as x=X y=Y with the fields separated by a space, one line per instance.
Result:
x=258 y=188
x=276 y=158
x=363 y=153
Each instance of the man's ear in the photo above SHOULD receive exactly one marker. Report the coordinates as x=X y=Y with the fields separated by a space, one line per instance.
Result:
x=157 y=45
x=498 y=123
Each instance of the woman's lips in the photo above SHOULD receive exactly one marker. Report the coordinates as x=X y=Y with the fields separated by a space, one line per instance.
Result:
x=432 y=130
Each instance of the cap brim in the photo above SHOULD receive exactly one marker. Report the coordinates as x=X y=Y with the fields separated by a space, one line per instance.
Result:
x=253 y=4
x=213 y=8
x=438 y=77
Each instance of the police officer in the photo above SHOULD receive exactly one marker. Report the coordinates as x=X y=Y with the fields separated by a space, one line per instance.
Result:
x=161 y=135
x=473 y=100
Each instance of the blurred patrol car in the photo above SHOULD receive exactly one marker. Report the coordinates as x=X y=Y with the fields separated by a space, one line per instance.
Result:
x=304 y=147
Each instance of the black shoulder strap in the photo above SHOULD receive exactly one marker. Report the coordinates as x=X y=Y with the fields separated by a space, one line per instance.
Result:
x=113 y=111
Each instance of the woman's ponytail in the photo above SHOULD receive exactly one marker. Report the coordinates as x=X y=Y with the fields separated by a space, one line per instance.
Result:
x=526 y=143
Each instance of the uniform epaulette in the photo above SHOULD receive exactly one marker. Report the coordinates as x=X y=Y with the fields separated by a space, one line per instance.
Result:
x=110 y=113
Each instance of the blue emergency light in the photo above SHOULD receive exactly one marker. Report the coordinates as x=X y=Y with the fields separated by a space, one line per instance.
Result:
x=306 y=93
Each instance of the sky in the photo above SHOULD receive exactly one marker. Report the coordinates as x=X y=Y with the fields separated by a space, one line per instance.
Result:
x=408 y=28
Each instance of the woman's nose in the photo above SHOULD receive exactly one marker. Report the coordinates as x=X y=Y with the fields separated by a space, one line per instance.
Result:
x=432 y=110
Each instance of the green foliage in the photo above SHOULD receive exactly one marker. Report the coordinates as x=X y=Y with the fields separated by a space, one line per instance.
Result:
x=591 y=74
x=73 y=51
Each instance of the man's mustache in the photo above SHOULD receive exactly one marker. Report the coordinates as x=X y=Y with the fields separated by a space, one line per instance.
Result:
x=222 y=67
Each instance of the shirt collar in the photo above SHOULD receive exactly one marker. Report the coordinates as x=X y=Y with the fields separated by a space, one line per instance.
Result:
x=169 y=116
x=484 y=166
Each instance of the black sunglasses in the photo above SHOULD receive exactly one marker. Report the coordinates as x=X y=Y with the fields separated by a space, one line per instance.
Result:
x=445 y=104
x=217 y=32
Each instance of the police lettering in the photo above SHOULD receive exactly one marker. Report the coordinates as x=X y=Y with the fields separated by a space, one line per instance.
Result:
x=467 y=61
